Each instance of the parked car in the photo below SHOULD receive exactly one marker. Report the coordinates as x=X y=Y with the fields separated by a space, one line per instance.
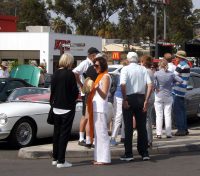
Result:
x=23 y=118
x=195 y=69
x=192 y=97
x=114 y=69
x=7 y=85
x=47 y=80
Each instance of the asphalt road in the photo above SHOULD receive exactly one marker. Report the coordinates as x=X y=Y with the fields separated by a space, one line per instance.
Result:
x=184 y=164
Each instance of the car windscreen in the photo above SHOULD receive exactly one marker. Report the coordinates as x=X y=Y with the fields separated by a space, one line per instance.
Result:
x=2 y=83
x=111 y=69
x=30 y=95
x=196 y=70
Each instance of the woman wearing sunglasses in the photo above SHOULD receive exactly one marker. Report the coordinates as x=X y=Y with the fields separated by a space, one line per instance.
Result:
x=98 y=110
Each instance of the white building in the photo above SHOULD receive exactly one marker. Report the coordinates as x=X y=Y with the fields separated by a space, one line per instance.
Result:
x=44 y=47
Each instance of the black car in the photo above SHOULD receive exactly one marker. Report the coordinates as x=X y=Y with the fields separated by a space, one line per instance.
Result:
x=195 y=69
x=7 y=85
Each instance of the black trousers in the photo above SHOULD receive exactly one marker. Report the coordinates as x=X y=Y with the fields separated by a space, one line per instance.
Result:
x=62 y=130
x=136 y=102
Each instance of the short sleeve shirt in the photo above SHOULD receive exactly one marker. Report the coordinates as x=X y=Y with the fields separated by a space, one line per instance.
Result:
x=136 y=78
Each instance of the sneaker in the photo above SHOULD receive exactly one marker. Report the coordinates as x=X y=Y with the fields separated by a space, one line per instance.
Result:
x=113 y=142
x=54 y=163
x=65 y=164
x=126 y=158
x=81 y=143
x=145 y=157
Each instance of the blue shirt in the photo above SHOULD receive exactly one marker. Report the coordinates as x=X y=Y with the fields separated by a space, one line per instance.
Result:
x=118 y=92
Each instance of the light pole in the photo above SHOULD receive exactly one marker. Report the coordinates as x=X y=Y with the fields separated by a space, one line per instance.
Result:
x=155 y=2
x=165 y=23
x=164 y=3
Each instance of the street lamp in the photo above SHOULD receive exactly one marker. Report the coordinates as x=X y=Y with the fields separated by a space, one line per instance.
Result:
x=156 y=3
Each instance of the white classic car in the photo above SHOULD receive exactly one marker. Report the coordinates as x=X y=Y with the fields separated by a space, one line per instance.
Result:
x=24 y=116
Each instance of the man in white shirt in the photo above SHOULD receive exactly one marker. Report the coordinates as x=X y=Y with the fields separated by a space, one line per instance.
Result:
x=80 y=72
x=134 y=80
x=171 y=66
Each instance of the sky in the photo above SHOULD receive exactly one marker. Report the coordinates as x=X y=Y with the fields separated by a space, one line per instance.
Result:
x=196 y=4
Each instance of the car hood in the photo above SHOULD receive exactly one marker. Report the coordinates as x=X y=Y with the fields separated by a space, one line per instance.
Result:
x=23 y=108
x=29 y=73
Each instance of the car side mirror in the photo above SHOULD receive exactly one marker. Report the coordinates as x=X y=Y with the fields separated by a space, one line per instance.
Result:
x=189 y=87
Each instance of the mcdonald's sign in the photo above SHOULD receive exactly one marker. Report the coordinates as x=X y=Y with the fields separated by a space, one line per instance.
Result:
x=116 y=55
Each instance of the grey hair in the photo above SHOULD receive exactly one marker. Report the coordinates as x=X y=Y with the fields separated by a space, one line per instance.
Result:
x=132 y=57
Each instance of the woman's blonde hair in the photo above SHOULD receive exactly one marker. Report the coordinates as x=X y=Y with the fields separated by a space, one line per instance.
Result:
x=66 y=60
x=163 y=64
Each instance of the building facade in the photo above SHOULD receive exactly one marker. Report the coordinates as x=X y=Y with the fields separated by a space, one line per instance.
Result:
x=44 y=47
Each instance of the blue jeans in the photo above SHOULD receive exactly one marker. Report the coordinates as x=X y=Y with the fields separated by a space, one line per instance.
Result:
x=180 y=113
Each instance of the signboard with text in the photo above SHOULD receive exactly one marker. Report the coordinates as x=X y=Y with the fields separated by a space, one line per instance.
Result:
x=116 y=55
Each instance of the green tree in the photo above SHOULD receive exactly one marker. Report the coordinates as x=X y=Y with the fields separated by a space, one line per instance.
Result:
x=92 y=16
x=32 y=12
x=180 y=28
x=127 y=18
x=58 y=25
x=196 y=15
x=144 y=22
x=9 y=7
x=62 y=7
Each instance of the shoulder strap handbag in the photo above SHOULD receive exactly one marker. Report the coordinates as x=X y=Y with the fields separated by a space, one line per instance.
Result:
x=50 y=118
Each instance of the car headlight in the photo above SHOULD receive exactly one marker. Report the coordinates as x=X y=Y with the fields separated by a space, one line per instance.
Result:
x=3 y=119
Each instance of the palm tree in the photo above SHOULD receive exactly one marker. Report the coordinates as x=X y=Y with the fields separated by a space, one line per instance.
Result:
x=58 y=25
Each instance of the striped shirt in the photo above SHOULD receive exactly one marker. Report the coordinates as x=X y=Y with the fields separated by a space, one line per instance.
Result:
x=183 y=71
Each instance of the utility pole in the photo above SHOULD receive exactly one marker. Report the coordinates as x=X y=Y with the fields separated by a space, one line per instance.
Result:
x=155 y=2
x=165 y=23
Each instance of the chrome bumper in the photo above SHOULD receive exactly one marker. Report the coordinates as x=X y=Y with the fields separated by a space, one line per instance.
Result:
x=4 y=134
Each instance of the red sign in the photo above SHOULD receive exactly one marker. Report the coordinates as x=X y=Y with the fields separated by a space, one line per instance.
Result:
x=58 y=43
x=116 y=55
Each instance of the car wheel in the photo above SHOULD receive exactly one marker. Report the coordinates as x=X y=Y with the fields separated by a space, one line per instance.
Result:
x=23 y=133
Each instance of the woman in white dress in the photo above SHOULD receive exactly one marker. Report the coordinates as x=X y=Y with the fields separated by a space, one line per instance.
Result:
x=100 y=108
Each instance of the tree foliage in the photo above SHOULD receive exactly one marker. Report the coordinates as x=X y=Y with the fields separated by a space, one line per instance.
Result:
x=180 y=21
x=91 y=17
x=32 y=12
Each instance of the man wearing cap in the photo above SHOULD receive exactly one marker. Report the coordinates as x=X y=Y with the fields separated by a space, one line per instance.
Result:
x=134 y=80
x=4 y=70
x=80 y=72
x=179 y=90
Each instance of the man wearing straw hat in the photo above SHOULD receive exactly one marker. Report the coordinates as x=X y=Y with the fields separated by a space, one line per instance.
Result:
x=179 y=90
x=4 y=70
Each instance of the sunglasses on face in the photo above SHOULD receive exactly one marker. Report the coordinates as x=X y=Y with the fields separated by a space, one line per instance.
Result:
x=96 y=65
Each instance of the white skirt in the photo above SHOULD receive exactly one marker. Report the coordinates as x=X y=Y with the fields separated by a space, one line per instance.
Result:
x=102 y=140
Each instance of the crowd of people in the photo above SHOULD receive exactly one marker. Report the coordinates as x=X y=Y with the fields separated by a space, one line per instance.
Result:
x=140 y=88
